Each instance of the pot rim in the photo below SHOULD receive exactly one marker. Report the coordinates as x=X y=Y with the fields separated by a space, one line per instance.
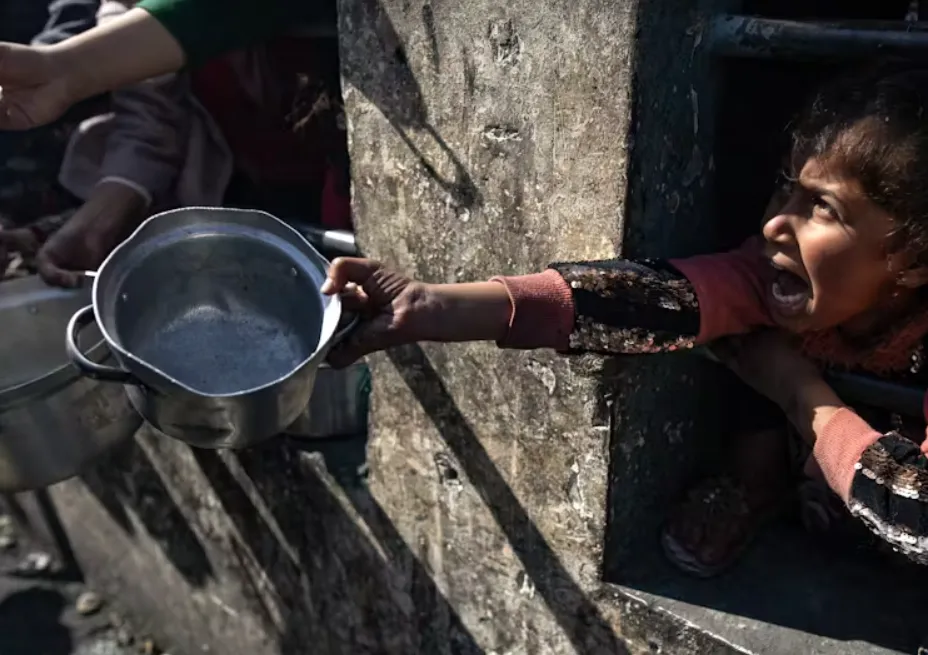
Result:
x=54 y=380
x=325 y=340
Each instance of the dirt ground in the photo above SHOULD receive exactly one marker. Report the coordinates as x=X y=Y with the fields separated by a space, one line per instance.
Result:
x=45 y=609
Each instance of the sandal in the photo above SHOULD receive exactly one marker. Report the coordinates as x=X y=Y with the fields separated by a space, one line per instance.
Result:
x=715 y=511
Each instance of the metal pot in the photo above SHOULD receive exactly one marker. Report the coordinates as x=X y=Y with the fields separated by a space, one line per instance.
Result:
x=53 y=421
x=217 y=322
x=339 y=405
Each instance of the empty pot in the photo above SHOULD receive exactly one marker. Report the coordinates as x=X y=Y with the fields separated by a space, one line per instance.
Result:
x=216 y=321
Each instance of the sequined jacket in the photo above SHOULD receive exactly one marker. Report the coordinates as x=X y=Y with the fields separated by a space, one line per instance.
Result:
x=653 y=306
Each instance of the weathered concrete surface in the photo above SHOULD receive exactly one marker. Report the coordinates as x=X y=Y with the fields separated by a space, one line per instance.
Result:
x=489 y=138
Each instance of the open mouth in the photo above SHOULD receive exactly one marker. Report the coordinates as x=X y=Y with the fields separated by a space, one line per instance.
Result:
x=790 y=292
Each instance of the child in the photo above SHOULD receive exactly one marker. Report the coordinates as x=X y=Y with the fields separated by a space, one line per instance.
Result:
x=842 y=267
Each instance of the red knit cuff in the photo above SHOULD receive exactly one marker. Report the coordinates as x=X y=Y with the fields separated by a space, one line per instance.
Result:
x=694 y=270
x=840 y=446
x=542 y=311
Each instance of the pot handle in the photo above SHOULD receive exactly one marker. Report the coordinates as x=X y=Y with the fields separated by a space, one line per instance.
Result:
x=343 y=334
x=81 y=319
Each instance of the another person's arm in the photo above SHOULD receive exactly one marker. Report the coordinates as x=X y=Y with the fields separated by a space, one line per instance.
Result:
x=206 y=28
x=40 y=83
x=148 y=130
x=157 y=37
x=123 y=51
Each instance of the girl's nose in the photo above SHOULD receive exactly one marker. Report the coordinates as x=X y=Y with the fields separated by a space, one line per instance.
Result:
x=779 y=229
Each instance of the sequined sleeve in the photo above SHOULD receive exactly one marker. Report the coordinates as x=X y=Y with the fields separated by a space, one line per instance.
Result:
x=882 y=477
x=889 y=493
x=625 y=306
x=630 y=307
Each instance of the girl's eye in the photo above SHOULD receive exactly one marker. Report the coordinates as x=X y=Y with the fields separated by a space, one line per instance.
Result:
x=822 y=210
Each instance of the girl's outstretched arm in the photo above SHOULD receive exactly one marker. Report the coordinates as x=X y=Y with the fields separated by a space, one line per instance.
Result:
x=608 y=307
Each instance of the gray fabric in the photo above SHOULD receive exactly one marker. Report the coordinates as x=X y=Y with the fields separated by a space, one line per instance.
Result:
x=155 y=139
x=66 y=18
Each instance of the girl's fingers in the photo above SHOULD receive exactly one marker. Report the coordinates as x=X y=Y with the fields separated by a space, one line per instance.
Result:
x=345 y=270
x=354 y=299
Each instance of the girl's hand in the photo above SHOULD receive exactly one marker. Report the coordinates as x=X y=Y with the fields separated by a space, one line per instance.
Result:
x=767 y=362
x=396 y=310
x=392 y=307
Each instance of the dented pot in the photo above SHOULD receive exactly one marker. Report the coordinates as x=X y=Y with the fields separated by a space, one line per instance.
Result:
x=217 y=324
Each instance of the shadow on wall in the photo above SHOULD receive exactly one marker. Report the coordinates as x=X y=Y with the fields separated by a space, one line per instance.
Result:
x=576 y=614
x=334 y=562
x=319 y=559
x=387 y=81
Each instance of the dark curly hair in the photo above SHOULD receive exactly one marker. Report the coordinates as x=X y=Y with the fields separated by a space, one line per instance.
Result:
x=874 y=123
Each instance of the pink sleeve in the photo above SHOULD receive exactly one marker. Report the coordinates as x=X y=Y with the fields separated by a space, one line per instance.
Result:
x=840 y=446
x=731 y=289
x=542 y=311
x=925 y=414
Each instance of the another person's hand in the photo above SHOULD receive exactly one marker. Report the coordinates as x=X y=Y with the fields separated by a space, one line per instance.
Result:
x=34 y=87
x=109 y=216
x=769 y=363
x=40 y=83
x=396 y=311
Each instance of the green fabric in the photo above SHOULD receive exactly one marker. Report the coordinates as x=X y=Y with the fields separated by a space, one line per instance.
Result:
x=206 y=28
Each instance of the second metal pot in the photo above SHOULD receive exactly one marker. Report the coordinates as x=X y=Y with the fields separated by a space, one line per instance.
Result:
x=339 y=406
x=53 y=421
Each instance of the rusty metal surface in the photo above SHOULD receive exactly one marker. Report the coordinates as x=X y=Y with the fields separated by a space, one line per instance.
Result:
x=765 y=38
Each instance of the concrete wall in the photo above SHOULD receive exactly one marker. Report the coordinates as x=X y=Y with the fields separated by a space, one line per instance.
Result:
x=485 y=137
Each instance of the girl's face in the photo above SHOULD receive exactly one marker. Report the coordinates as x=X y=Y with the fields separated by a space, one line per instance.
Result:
x=829 y=255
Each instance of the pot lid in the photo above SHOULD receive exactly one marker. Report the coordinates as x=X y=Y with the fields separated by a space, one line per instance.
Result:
x=33 y=318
